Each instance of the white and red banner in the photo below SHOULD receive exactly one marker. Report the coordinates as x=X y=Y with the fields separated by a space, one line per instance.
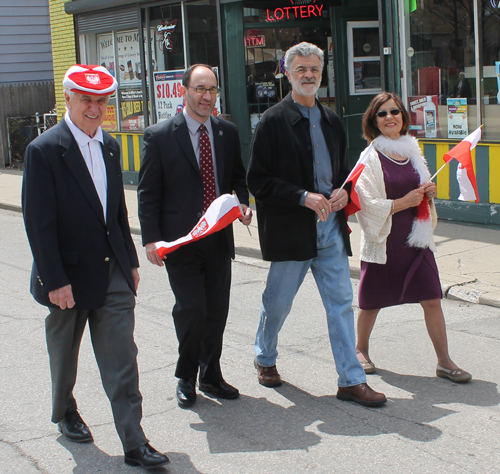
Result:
x=465 y=171
x=222 y=212
x=354 y=206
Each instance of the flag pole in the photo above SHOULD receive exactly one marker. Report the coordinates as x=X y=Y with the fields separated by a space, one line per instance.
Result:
x=349 y=176
x=445 y=163
x=241 y=210
x=436 y=173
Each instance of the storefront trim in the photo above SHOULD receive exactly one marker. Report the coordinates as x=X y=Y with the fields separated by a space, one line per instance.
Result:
x=87 y=6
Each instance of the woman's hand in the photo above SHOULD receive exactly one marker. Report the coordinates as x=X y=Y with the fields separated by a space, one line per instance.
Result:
x=430 y=189
x=412 y=199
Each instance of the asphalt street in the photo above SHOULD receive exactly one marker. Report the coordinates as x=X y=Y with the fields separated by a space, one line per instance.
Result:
x=428 y=424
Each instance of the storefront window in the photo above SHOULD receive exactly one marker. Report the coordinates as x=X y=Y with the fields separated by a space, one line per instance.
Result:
x=441 y=78
x=491 y=69
x=118 y=51
x=201 y=28
x=364 y=57
x=166 y=59
x=267 y=83
x=168 y=51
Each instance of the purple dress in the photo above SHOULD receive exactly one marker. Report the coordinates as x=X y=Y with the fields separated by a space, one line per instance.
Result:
x=410 y=274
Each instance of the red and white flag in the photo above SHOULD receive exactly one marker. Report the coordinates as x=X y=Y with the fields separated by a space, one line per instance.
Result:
x=465 y=171
x=222 y=212
x=354 y=206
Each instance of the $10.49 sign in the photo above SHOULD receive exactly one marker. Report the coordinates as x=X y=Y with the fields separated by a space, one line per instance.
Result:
x=169 y=90
x=168 y=96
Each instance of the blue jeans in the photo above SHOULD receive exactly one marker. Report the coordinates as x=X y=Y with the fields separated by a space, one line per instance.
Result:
x=331 y=272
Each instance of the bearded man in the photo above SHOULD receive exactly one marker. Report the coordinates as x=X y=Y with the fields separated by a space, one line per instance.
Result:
x=298 y=162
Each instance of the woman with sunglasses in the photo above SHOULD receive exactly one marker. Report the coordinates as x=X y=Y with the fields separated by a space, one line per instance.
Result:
x=397 y=219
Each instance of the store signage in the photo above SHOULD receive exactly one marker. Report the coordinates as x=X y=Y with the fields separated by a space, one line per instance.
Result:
x=168 y=94
x=131 y=110
x=109 y=124
x=457 y=118
x=251 y=41
x=300 y=9
x=165 y=31
x=424 y=120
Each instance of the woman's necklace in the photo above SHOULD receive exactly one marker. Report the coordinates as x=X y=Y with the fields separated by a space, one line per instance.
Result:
x=400 y=163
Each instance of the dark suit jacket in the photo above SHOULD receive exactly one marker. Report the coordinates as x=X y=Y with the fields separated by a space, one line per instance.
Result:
x=170 y=191
x=281 y=170
x=69 y=238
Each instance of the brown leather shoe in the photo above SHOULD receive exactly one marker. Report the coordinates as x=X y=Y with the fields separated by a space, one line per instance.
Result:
x=268 y=376
x=362 y=394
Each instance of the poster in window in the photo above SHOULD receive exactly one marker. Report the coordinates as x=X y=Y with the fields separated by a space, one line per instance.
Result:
x=129 y=59
x=424 y=120
x=110 y=123
x=106 y=52
x=457 y=118
x=131 y=110
x=168 y=95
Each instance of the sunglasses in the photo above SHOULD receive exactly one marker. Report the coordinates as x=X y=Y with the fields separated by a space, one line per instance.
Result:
x=383 y=113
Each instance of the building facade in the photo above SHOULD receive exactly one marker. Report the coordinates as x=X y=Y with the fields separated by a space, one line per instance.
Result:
x=441 y=56
x=26 y=72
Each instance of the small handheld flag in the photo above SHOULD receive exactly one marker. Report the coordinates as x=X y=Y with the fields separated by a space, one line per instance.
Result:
x=222 y=212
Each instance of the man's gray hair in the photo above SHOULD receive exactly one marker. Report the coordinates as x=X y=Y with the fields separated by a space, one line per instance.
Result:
x=303 y=49
x=69 y=92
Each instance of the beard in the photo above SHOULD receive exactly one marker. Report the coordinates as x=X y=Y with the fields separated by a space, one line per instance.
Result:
x=298 y=85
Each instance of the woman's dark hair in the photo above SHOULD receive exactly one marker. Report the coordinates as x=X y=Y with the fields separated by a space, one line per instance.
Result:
x=370 y=129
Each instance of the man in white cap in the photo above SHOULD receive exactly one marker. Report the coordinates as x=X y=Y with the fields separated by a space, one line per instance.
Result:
x=85 y=263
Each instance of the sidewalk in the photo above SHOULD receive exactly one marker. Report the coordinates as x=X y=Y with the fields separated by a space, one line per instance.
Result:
x=468 y=257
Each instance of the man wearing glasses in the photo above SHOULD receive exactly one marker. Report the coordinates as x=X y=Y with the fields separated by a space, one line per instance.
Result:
x=187 y=162
x=298 y=162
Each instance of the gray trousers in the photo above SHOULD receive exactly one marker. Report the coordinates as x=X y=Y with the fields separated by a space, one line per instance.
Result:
x=111 y=330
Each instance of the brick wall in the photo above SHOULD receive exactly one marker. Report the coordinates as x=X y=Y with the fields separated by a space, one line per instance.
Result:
x=63 y=47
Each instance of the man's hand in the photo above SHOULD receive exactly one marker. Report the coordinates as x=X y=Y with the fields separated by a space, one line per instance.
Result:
x=247 y=215
x=319 y=204
x=338 y=199
x=137 y=278
x=152 y=254
x=62 y=297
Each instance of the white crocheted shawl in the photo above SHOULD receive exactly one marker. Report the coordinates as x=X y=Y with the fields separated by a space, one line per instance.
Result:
x=375 y=216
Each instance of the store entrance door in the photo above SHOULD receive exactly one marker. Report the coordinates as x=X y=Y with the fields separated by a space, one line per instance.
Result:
x=357 y=62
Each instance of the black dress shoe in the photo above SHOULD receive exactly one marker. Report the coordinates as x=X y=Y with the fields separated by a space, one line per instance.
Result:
x=220 y=389
x=145 y=456
x=74 y=428
x=186 y=392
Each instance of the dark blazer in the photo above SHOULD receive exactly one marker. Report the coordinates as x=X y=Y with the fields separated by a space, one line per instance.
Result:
x=281 y=169
x=170 y=191
x=70 y=240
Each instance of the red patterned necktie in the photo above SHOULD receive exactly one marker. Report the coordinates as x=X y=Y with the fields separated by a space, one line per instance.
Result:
x=207 y=168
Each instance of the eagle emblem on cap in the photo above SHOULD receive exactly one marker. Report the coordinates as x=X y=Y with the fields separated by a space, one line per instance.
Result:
x=93 y=78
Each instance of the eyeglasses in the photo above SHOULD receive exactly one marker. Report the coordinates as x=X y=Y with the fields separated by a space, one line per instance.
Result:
x=383 y=113
x=201 y=90
x=303 y=70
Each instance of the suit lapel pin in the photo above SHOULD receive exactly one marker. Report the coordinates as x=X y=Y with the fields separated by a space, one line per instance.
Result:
x=111 y=154
x=221 y=133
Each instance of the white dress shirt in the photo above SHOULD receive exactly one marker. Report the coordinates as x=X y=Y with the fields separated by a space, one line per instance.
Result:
x=92 y=154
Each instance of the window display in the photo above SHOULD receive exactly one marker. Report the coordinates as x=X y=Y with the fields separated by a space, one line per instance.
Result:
x=440 y=56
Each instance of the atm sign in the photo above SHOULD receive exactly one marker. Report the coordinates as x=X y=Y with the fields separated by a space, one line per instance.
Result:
x=251 y=41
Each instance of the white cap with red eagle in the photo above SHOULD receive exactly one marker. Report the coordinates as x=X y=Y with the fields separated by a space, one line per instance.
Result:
x=89 y=79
